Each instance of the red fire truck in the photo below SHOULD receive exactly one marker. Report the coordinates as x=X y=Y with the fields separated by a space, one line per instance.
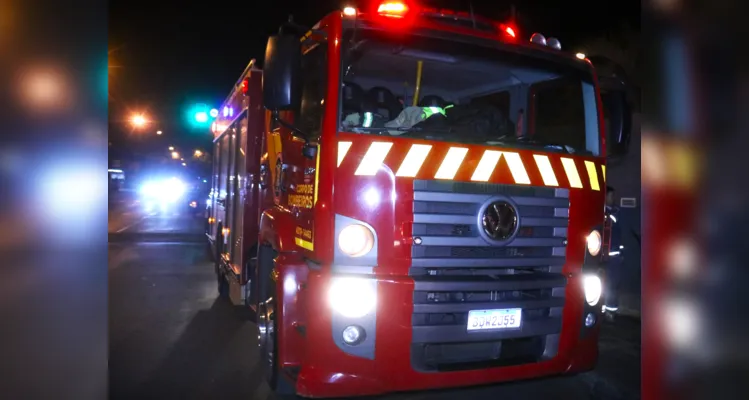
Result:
x=411 y=198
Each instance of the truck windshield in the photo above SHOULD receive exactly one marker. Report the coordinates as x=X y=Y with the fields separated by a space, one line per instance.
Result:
x=465 y=93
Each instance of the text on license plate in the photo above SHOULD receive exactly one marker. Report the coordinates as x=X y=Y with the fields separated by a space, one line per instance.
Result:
x=504 y=318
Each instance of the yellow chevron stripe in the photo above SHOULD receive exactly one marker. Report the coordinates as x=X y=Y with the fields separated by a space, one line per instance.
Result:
x=516 y=168
x=592 y=175
x=486 y=165
x=343 y=148
x=571 y=170
x=603 y=173
x=547 y=172
x=414 y=160
x=373 y=158
x=451 y=163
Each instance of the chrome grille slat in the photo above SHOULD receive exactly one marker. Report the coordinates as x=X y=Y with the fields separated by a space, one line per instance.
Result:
x=454 y=259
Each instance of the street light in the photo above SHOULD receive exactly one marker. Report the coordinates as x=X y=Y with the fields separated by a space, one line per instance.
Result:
x=138 y=120
x=171 y=148
x=175 y=155
x=198 y=153
x=159 y=132
x=184 y=164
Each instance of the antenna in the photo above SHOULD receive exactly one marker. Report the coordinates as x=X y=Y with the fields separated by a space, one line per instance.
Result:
x=473 y=17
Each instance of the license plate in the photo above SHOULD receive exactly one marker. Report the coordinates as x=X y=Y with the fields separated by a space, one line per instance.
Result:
x=505 y=318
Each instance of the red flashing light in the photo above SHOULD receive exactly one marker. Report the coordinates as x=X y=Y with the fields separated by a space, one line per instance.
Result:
x=393 y=9
x=245 y=85
x=509 y=31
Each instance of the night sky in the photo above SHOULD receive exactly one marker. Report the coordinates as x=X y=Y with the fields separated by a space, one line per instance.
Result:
x=166 y=55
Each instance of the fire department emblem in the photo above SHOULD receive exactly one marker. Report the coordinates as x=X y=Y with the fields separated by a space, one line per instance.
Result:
x=500 y=220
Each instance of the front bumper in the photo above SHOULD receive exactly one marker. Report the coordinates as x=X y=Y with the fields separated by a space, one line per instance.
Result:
x=329 y=370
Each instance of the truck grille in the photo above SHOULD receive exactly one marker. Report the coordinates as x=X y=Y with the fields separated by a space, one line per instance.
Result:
x=455 y=270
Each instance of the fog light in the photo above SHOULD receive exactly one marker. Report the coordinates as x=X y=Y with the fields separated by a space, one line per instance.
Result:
x=353 y=335
x=590 y=320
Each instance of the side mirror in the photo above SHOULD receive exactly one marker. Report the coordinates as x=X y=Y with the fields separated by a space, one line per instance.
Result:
x=309 y=151
x=618 y=117
x=282 y=72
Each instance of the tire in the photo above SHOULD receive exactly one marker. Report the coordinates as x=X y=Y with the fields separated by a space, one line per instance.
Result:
x=268 y=327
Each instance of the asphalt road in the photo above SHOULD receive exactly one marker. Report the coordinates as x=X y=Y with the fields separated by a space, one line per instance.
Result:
x=170 y=337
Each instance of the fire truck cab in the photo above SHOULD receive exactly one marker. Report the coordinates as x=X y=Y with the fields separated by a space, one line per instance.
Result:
x=409 y=199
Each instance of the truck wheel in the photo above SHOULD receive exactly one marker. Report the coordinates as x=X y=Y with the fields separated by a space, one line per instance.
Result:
x=267 y=326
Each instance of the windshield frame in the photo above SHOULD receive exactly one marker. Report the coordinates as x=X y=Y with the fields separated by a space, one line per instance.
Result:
x=531 y=53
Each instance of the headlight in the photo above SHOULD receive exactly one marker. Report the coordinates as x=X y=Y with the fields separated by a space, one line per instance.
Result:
x=149 y=189
x=594 y=243
x=593 y=289
x=355 y=240
x=352 y=297
x=174 y=188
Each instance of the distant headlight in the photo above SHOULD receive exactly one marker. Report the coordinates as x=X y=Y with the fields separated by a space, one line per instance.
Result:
x=165 y=191
x=149 y=189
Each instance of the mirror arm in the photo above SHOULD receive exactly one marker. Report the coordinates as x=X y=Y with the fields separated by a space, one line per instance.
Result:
x=289 y=126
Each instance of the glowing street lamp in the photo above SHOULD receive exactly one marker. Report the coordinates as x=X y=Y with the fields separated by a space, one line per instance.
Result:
x=171 y=148
x=175 y=155
x=159 y=132
x=198 y=153
x=138 y=120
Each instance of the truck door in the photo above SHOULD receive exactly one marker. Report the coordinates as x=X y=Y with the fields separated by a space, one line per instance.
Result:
x=301 y=168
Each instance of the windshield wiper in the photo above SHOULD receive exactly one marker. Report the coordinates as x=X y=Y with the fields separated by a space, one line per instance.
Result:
x=530 y=141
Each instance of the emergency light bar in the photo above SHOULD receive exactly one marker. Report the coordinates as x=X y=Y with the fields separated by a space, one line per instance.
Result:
x=400 y=10
x=393 y=9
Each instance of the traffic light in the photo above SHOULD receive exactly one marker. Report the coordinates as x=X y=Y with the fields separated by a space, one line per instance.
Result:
x=199 y=116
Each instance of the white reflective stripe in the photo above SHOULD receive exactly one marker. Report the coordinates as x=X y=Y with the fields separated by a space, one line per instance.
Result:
x=414 y=160
x=517 y=168
x=373 y=158
x=486 y=165
x=613 y=218
x=343 y=148
x=571 y=170
x=613 y=253
x=451 y=163
x=547 y=172
x=592 y=175
x=606 y=308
